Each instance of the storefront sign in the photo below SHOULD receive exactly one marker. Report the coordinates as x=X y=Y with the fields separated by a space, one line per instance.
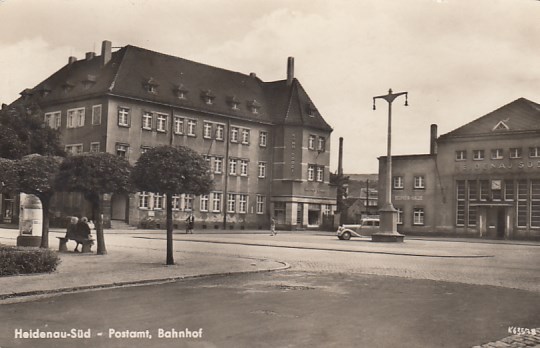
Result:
x=523 y=165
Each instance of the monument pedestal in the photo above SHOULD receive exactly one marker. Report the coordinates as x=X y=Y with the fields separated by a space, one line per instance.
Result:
x=388 y=226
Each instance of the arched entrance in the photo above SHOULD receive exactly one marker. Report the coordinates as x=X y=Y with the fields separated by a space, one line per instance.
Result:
x=119 y=207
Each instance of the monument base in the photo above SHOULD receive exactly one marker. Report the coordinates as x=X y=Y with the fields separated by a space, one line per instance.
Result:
x=28 y=241
x=387 y=237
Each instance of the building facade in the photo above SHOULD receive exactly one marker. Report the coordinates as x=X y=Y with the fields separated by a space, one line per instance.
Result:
x=480 y=180
x=267 y=144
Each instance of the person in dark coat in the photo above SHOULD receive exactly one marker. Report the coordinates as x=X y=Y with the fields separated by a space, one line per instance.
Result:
x=190 y=223
x=82 y=231
x=71 y=229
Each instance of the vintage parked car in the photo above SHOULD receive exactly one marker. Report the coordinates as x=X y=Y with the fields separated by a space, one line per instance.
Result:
x=365 y=228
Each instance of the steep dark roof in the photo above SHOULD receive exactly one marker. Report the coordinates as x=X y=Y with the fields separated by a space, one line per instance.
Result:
x=139 y=73
x=518 y=116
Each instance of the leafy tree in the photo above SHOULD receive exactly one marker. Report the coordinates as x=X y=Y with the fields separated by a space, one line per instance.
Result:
x=7 y=175
x=36 y=175
x=172 y=171
x=23 y=132
x=94 y=174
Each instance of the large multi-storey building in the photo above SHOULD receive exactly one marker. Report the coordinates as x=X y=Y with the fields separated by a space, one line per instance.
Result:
x=267 y=144
x=482 y=179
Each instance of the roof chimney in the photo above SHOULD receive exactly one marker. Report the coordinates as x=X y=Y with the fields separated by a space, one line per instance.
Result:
x=72 y=60
x=252 y=75
x=433 y=140
x=290 y=70
x=90 y=55
x=106 y=52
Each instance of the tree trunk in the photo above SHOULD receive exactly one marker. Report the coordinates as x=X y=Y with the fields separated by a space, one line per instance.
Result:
x=97 y=206
x=168 y=203
x=45 y=204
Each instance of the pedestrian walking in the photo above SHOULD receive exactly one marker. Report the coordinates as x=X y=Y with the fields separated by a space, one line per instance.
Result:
x=190 y=223
x=273 y=227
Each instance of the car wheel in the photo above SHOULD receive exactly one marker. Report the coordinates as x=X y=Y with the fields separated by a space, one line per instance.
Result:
x=340 y=237
x=346 y=236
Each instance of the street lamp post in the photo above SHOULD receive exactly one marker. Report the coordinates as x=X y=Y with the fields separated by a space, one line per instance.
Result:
x=388 y=224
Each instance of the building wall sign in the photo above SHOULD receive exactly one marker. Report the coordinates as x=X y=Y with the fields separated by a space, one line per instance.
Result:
x=479 y=167
x=409 y=198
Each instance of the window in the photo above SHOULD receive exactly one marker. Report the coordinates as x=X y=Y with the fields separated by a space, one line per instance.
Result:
x=188 y=202
x=311 y=172
x=472 y=186
x=311 y=142
x=220 y=130
x=534 y=152
x=516 y=152
x=122 y=150
x=242 y=204
x=478 y=155
x=143 y=200
x=245 y=136
x=74 y=149
x=460 y=198
x=94 y=147
x=321 y=144
x=232 y=166
x=191 y=128
x=263 y=137
x=123 y=117
x=496 y=154
x=327 y=209
x=461 y=155
x=144 y=149
x=234 y=135
x=399 y=216
x=522 y=206
x=175 y=202
x=216 y=202
x=204 y=202
x=418 y=216
x=96 y=114
x=243 y=167
x=535 y=203
x=178 y=125
x=398 y=182
x=53 y=119
x=207 y=130
x=159 y=200
x=484 y=190
x=231 y=203
x=260 y=204
x=75 y=118
x=419 y=182
x=508 y=190
x=496 y=190
x=208 y=160
x=262 y=170
x=320 y=174
x=161 y=123
x=218 y=165
x=147 y=121
x=473 y=190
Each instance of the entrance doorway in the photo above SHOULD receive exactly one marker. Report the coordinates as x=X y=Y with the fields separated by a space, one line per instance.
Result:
x=119 y=206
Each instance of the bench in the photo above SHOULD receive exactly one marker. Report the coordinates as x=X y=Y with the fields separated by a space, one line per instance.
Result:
x=86 y=244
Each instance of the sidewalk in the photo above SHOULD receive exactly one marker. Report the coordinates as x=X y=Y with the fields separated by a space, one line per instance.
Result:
x=129 y=261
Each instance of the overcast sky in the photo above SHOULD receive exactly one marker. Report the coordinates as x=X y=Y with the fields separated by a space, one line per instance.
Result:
x=457 y=59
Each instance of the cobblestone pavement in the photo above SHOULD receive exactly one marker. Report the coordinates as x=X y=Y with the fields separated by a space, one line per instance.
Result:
x=530 y=338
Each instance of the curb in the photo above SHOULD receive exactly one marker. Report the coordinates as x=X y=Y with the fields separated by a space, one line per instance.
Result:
x=133 y=283
x=327 y=249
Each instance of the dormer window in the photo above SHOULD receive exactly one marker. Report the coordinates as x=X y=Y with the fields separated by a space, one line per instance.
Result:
x=27 y=93
x=254 y=106
x=180 y=91
x=234 y=102
x=44 y=90
x=68 y=86
x=89 y=81
x=208 y=97
x=151 y=85
x=311 y=110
